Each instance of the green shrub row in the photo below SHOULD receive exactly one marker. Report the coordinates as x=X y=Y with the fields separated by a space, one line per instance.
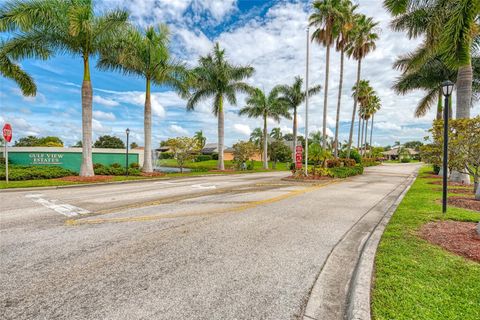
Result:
x=19 y=173
x=115 y=169
x=203 y=157
x=344 y=172
x=335 y=163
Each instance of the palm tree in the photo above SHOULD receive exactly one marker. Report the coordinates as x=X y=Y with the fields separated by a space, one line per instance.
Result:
x=361 y=95
x=276 y=134
x=45 y=27
x=216 y=77
x=259 y=104
x=375 y=107
x=294 y=96
x=201 y=139
x=343 y=40
x=256 y=136
x=326 y=20
x=363 y=42
x=146 y=55
x=11 y=70
x=449 y=29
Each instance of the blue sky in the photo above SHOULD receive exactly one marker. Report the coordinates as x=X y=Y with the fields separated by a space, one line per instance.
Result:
x=269 y=35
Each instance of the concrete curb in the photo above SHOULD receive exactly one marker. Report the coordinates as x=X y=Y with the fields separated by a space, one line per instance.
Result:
x=359 y=304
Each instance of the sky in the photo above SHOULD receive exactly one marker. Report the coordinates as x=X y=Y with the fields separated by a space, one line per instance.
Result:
x=268 y=35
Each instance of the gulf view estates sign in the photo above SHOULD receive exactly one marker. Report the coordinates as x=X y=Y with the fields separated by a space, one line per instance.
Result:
x=46 y=158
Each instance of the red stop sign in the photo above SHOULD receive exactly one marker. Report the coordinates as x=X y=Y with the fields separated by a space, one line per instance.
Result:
x=7 y=132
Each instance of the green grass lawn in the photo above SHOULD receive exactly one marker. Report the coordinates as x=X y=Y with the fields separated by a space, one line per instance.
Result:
x=212 y=165
x=418 y=280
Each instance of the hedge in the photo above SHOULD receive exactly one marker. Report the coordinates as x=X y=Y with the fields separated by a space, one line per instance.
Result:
x=344 y=172
x=114 y=170
x=19 y=172
x=203 y=157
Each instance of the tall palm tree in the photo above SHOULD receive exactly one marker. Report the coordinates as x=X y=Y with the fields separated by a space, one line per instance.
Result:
x=45 y=27
x=12 y=71
x=201 y=139
x=376 y=104
x=294 y=96
x=276 y=134
x=146 y=55
x=326 y=19
x=363 y=41
x=256 y=136
x=259 y=104
x=343 y=40
x=216 y=77
x=449 y=29
x=361 y=93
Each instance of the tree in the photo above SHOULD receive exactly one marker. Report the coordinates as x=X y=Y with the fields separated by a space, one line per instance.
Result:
x=216 y=77
x=276 y=134
x=32 y=141
x=256 y=137
x=279 y=152
x=413 y=145
x=449 y=29
x=133 y=145
x=344 y=37
x=201 y=139
x=183 y=149
x=78 y=144
x=326 y=19
x=242 y=152
x=29 y=141
x=362 y=43
x=259 y=104
x=146 y=55
x=12 y=71
x=294 y=96
x=362 y=93
x=318 y=156
x=45 y=27
x=110 y=142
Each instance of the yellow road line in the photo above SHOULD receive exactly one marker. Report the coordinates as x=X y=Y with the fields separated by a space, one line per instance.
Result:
x=247 y=206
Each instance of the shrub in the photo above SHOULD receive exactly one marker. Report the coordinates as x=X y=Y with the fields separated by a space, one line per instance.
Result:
x=344 y=172
x=334 y=163
x=19 y=172
x=370 y=162
x=353 y=155
x=436 y=169
x=203 y=157
x=348 y=162
x=134 y=165
x=405 y=160
x=214 y=156
x=166 y=155
x=116 y=165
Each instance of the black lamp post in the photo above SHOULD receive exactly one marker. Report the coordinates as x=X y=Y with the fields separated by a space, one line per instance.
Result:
x=126 y=158
x=447 y=89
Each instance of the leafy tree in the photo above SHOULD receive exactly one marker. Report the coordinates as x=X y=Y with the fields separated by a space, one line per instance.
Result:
x=362 y=43
x=78 y=144
x=29 y=141
x=183 y=149
x=216 y=77
x=32 y=141
x=294 y=96
x=279 y=152
x=133 y=145
x=45 y=27
x=242 y=152
x=12 y=71
x=111 y=142
x=146 y=55
x=259 y=104
x=318 y=156
x=413 y=145
x=201 y=139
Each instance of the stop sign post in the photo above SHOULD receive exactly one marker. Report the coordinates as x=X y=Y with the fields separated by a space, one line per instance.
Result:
x=7 y=136
x=298 y=157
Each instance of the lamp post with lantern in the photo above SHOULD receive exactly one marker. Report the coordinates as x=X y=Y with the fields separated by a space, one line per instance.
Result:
x=447 y=89
x=126 y=158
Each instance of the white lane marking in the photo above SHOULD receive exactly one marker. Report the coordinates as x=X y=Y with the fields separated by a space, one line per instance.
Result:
x=62 y=208
x=203 y=186
x=163 y=182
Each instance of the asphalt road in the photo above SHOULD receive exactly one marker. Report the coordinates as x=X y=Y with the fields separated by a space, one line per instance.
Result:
x=217 y=247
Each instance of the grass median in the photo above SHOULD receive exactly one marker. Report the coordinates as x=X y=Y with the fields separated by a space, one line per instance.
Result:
x=418 y=280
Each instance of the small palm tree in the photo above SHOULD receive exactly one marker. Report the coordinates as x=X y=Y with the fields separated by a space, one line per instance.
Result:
x=266 y=106
x=256 y=137
x=146 y=55
x=318 y=156
x=376 y=104
x=363 y=42
x=326 y=20
x=12 y=71
x=362 y=93
x=46 y=27
x=216 y=77
x=276 y=134
x=293 y=96
x=201 y=139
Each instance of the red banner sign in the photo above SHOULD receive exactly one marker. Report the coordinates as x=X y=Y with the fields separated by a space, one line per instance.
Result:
x=298 y=157
x=7 y=132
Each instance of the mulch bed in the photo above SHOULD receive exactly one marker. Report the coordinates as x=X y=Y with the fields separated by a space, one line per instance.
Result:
x=457 y=237
x=153 y=174
x=433 y=176
x=451 y=184
x=458 y=190
x=309 y=178
x=465 y=202
x=98 y=178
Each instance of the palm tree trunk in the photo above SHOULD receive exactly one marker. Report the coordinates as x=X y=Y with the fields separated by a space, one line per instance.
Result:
x=355 y=102
x=294 y=133
x=464 y=91
x=440 y=105
x=221 y=133
x=325 y=100
x=147 y=128
x=371 y=136
x=86 y=169
x=360 y=146
x=366 y=138
x=337 y=120
x=360 y=125
x=265 y=143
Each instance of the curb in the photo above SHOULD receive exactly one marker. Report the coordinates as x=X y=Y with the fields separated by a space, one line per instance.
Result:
x=359 y=302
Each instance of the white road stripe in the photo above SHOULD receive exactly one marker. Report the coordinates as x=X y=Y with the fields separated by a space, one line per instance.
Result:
x=203 y=186
x=62 y=208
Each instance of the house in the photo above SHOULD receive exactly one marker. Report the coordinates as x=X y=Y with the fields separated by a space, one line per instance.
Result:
x=393 y=154
x=212 y=148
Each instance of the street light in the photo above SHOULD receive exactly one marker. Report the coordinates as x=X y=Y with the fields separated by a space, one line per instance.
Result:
x=306 y=102
x=126 y=157
x=447 y=89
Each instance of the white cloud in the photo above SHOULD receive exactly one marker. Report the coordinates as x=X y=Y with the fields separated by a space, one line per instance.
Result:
x=178 y=130
x=100 y=115
x=105 y=101
x=242 y=129
x=387 y=126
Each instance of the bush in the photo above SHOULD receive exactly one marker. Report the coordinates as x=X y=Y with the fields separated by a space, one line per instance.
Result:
x=166 y=155
x=19 y=172
x=214 y=156
x=344 y=172
x=405 y=160
x=353 y=155
x=203 y=157
x=334 y=163
x=436 y=169
x=134 y=165
x=116 y=165
x=348 y=162
x=370 y=162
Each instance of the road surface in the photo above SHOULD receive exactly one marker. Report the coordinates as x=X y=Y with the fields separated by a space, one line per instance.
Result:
x=217 y=247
